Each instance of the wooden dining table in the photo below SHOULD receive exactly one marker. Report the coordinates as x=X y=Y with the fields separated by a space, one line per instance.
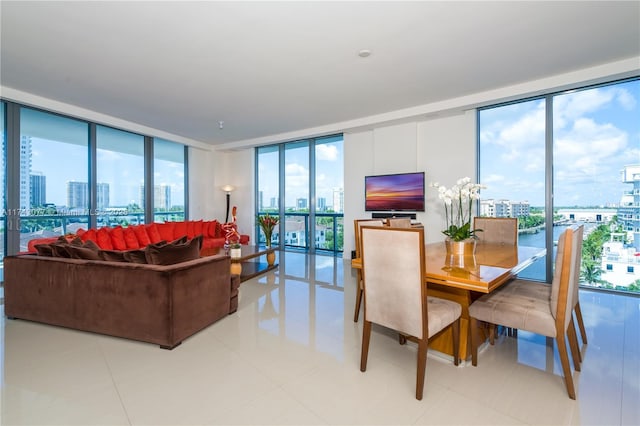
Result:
x=465 y=278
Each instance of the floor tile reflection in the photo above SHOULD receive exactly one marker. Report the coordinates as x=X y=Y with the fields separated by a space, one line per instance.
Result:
x=291 y=355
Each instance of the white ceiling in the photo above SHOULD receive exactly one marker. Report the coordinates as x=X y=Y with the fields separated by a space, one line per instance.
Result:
x=269 y=69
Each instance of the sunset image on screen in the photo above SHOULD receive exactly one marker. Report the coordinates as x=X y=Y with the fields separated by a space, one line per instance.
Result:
x=395 y=192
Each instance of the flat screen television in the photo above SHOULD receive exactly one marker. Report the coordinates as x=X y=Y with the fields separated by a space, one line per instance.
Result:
x=397 y=192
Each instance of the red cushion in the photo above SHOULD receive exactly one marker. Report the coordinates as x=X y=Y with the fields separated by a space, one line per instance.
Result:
x=244 y=239
x=212 y=242
x=104 y=239
x=217 y=230
x=154 y=233
x=190 y=229
x=205 y=228
x=90 y=235
x=130 y=238
x=117 y=238
x=141 y=235
x=197 y=227
x=80 y=231
x=166 y=230
x=180 y=229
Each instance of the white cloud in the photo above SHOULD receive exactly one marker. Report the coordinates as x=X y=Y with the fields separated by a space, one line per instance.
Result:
x=326 y=152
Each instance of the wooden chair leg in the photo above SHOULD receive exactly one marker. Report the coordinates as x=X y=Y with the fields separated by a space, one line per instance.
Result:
x=573 y=344
x=359 y=294
x=422 y=368
x=366 y=337
x=566 y=368
x=492 y=333
x=583 y=331
x=473 y=330
x=455 y=334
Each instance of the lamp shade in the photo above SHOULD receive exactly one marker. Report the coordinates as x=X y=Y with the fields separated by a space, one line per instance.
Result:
x=228 y=188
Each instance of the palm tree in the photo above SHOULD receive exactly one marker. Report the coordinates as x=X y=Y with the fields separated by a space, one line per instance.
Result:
x=591 y=272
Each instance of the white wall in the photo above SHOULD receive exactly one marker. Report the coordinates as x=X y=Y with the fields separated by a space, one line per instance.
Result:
x=444 y=148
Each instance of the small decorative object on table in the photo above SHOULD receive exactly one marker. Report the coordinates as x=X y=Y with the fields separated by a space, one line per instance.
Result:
x=267 y=224
x=458 y=204
x=235 y=250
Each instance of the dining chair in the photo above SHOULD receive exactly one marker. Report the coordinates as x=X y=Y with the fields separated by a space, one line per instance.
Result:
x=399 y=222
x=356 y=224
x=502 y=230
x=540 y=309
x=395 y=294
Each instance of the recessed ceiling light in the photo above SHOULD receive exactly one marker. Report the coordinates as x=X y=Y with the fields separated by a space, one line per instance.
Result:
x=364 y=53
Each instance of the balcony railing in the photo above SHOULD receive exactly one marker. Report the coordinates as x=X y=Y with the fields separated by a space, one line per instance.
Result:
x=328 y=232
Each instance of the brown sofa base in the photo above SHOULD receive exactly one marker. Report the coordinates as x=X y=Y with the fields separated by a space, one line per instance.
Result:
x=151 y=303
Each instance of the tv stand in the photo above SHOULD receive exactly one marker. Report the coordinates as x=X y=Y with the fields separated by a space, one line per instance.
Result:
x=387 y=215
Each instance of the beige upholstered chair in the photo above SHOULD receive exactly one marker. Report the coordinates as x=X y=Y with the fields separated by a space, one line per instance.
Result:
x=399 y=222
x=539 y=308
x=356 y=224
x=503 y=230
x=395 y=293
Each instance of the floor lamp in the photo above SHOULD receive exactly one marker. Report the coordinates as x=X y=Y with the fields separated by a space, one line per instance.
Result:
x=227 y=189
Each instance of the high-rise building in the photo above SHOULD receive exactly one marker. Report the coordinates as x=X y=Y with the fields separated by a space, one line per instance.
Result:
x=301 y=203
x=338 y=200
x=322 y=204
x=161 y=197
x=77 y=195
x=38 y=189
x=102 y=195
x=25 y=171
x=260 y=202
x=629 y=210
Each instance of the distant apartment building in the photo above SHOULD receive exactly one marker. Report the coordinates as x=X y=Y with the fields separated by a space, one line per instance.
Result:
x=629 y=209
x=25 y=172
x=322 y=204
x=301 y=204
x=102 y=196
x=161 y=197
x=37 y=190
x=77 y=195
x=504 y=208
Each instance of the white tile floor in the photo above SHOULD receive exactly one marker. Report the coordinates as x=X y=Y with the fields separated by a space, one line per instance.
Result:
x=290 y=355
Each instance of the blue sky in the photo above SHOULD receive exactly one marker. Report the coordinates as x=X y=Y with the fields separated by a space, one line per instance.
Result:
x=596 y=132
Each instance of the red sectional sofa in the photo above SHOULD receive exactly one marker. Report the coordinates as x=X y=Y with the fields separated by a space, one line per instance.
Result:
x=139 y=236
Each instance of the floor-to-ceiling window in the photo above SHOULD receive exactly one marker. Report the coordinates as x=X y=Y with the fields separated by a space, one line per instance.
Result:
x=53 y=175
x=120 y=177
x=329 y=193
x=297 y=229
x=302 y=182
x=61 y=173
x=3 y=207
x=565 y=158
x=169 y=162
x=268 y=187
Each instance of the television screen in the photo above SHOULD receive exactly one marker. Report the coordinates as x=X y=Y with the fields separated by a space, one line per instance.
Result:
x=398 y=192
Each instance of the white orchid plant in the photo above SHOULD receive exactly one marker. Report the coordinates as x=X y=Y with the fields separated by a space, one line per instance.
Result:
x=458 y=204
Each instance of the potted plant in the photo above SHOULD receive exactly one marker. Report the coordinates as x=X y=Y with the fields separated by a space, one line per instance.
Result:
x=267 y=224
x=458 y=204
